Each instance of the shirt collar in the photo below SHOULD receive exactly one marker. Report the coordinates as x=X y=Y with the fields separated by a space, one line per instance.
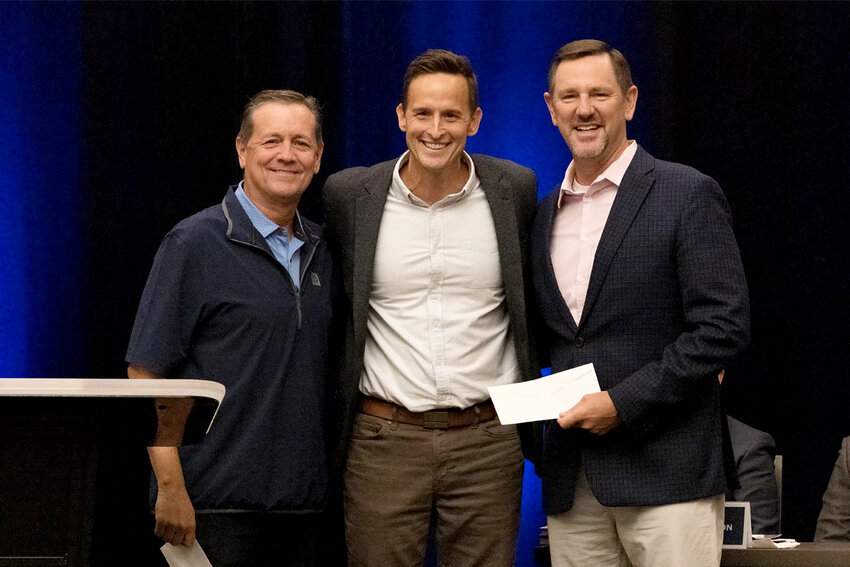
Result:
x=613 y=173
x=400 y=190
x=261 y=222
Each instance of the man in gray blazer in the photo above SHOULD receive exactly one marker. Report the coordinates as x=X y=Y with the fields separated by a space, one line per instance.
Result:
x=834 y=519
x=432 y=253
x=636 y=270
x=754 y=451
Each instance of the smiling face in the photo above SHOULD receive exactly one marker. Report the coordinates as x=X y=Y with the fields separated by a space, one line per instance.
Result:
x=437 y=121
x=281 y=156
x=591 y=110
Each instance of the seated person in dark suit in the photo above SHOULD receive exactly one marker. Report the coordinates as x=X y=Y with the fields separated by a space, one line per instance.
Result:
x=834 y=518
x=754 y=451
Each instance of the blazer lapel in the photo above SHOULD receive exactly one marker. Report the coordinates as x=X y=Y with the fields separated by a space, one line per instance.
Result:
x=550 y=281
x=500 y=199
x=630 y=196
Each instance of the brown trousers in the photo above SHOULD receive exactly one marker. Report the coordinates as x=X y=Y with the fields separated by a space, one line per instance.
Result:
x=398 y=475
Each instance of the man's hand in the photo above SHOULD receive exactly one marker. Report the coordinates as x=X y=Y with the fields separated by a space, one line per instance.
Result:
x=175 y=517
x=594 y=412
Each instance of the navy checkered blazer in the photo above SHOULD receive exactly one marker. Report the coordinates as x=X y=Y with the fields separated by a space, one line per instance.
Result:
x=666 y=309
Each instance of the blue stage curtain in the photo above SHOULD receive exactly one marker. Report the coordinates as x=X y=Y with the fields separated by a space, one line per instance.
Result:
x=43 y=256
x=119 y=120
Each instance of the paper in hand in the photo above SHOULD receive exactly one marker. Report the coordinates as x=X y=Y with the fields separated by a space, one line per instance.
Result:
x=180 y=556
x=544 y=398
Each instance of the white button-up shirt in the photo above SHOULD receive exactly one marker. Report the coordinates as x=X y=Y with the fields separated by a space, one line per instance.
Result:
x=438 y=332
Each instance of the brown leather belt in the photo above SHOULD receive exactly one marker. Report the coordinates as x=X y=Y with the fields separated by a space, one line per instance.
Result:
x=435 y=419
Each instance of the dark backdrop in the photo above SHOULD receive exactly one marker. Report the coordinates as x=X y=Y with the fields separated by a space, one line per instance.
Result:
x=119 y=120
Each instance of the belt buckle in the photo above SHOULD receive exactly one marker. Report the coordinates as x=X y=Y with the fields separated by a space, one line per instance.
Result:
x=435 y=420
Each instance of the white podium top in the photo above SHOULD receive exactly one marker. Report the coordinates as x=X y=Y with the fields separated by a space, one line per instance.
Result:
x=111 y=388
x=179 y=408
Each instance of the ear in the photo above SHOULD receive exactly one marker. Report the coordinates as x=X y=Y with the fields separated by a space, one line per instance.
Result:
x=240 y=151
x=402 y=122
x=548 y=98
x=631 y=101
x=318 y=158
x=475 y=122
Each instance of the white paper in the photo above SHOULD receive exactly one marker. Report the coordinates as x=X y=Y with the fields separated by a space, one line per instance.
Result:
x=181 y=556
x=544 y=398
x=774 y=543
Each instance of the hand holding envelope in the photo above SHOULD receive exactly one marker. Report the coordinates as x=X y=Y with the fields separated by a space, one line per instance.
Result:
x=544 y=398
x=595 y=412
x=180 y=556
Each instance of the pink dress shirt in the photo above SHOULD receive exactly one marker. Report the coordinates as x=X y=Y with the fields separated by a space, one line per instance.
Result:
x=582 y=213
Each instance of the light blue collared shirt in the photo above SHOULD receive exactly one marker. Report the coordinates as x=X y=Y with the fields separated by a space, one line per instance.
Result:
x=285 y=250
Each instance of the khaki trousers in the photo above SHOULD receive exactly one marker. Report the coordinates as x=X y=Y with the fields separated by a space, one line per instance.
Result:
x=398 y=475
x=674 y=535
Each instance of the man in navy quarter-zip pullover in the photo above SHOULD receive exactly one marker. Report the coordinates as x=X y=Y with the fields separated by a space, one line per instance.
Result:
x=240 y=293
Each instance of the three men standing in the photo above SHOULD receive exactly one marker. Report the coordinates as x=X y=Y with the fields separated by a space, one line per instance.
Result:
x=634 y=267
x=636 y=270
x=432 y=255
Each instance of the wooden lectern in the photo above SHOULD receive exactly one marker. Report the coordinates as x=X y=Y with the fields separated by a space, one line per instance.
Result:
x=73 y=465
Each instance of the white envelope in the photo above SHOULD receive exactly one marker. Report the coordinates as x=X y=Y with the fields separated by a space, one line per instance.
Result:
x=180 y=556
x=544 y=398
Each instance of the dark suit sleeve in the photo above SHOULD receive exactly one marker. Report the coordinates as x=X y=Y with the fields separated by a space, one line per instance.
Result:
x=339 y=198
x=525 y=191
x=537 y=331
x=754 y=453
x=527 y=196
x=332 y=210
x=834 y=518
x=714 y=306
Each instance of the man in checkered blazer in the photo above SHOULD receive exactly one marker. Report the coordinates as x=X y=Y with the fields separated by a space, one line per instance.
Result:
x=636 y=271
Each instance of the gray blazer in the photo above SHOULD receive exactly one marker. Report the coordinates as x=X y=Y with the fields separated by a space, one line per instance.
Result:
x=354 y=204
x=754 y=451
x=834 y=518
x=666 y=309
